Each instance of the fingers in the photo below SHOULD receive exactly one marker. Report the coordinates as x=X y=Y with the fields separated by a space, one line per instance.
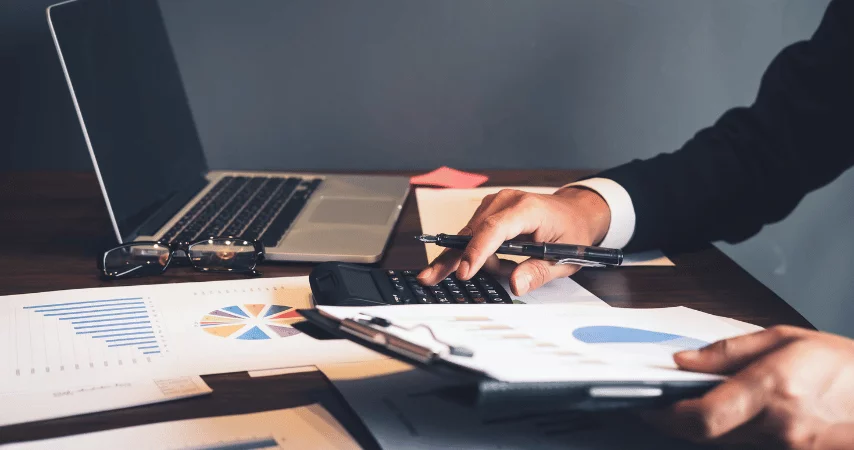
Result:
x=449 y=260
x=728 y=406
x=498 y=266
x=534 y=273
x=838 y=436
x=441 y=267
x=730 y=355
x=493 y=230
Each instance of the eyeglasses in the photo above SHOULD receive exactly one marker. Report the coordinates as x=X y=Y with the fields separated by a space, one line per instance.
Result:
x=220 y=255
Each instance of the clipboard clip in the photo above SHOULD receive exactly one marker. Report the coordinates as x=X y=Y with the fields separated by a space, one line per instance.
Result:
x=371 y=328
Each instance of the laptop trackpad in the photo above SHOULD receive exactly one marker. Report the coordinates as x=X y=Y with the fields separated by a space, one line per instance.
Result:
x=352 y=211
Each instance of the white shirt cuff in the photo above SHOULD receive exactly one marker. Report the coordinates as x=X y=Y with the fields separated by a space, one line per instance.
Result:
x=622 y=210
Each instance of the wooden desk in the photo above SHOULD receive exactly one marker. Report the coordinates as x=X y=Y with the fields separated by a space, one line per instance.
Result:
x=54 y=224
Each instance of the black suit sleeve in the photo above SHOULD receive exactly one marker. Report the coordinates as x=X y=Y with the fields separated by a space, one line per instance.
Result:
x=755 y=164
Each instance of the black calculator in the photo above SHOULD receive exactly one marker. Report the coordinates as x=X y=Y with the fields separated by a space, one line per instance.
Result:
x=342 y=284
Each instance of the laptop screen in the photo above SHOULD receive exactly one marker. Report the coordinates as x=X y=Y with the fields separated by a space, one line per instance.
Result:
x=133 y=108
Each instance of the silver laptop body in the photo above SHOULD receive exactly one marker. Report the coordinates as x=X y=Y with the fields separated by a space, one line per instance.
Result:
x=133 y=110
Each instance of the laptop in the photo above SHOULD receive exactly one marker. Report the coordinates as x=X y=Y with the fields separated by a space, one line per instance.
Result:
x=139 y=129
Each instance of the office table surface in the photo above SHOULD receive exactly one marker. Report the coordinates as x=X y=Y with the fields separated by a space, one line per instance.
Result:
x=53 y=224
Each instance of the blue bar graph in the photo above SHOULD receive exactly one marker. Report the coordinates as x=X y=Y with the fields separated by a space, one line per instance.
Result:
x=118 y=322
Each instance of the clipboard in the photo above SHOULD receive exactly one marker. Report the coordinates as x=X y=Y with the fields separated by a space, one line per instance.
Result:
x=500 y=397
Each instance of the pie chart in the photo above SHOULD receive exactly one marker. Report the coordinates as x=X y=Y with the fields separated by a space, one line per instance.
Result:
x=251 y=321
x=605 y=334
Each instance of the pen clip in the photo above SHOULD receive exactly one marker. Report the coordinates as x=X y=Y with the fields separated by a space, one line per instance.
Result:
x=579 y=262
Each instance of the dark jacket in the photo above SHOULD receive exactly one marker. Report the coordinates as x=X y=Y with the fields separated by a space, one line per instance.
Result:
x=755 y=164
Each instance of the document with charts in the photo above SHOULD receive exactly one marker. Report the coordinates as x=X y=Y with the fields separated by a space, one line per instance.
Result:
x=556 y=343
x=83 y=337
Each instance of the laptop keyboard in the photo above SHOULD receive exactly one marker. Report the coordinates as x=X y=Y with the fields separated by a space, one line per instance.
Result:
x=250 y=207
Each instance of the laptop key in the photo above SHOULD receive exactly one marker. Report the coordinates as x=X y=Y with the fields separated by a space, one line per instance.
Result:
x=288 y=214
x=240 y=224
x=216 y=226
x=185 y=219
x=279 y=197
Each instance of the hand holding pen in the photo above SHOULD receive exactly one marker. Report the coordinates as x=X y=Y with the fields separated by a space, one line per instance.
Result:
x=570 y=216
x=581 y=255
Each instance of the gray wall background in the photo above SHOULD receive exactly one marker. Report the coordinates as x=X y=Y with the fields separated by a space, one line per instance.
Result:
x=468 y=83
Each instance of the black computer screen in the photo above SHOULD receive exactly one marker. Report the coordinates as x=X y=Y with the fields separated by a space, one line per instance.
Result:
x=134 y=108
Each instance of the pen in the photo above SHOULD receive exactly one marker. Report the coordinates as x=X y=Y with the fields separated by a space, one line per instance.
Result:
x=562 y=253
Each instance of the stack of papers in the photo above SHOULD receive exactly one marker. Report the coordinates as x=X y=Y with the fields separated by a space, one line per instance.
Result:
x=407 y=407
x=557 y=343
x=296 y=429
x=410 y=408
x=88 y=350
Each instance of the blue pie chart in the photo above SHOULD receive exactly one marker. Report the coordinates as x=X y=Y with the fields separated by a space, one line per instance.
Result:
x=607 y=334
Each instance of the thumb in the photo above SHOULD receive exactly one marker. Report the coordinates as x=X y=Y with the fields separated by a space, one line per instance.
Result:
x=839 y=436
x=731 y=355
x=533 y=273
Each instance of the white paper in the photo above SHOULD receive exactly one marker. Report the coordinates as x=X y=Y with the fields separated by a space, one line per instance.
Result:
x=448 y=211
x=92 y=336
x=407 y=408
x=541 y=343
x=90 y=398
x=559 y=291
x=300 y=428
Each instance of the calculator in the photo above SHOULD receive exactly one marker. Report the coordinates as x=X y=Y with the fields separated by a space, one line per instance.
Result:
x=342 y=284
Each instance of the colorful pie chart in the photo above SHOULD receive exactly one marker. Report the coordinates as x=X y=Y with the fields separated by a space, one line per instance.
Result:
x=251 y=321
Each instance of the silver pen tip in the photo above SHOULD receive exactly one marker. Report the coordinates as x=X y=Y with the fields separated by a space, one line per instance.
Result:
x=428 y=238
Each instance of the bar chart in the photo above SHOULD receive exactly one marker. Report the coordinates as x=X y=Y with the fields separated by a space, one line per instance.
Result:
x=76 y=335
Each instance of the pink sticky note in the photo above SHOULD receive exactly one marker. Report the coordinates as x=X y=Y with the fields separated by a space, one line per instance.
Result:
x=452 y=178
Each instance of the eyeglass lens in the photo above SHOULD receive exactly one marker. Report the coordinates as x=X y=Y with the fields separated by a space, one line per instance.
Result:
x=223 y=254
x=136 y=260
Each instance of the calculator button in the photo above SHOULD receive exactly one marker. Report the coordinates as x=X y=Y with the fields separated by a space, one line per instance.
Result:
x=399 y=287
x=443 y=300
x=495 y=299
x=397 y=299
x=391 y=273
x=422 y=299
x=409 y=273
x=478 y=300
x=460 y=299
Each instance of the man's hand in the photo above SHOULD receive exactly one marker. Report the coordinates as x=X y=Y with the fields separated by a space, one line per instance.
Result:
x=571 y=216
x=791 y=388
